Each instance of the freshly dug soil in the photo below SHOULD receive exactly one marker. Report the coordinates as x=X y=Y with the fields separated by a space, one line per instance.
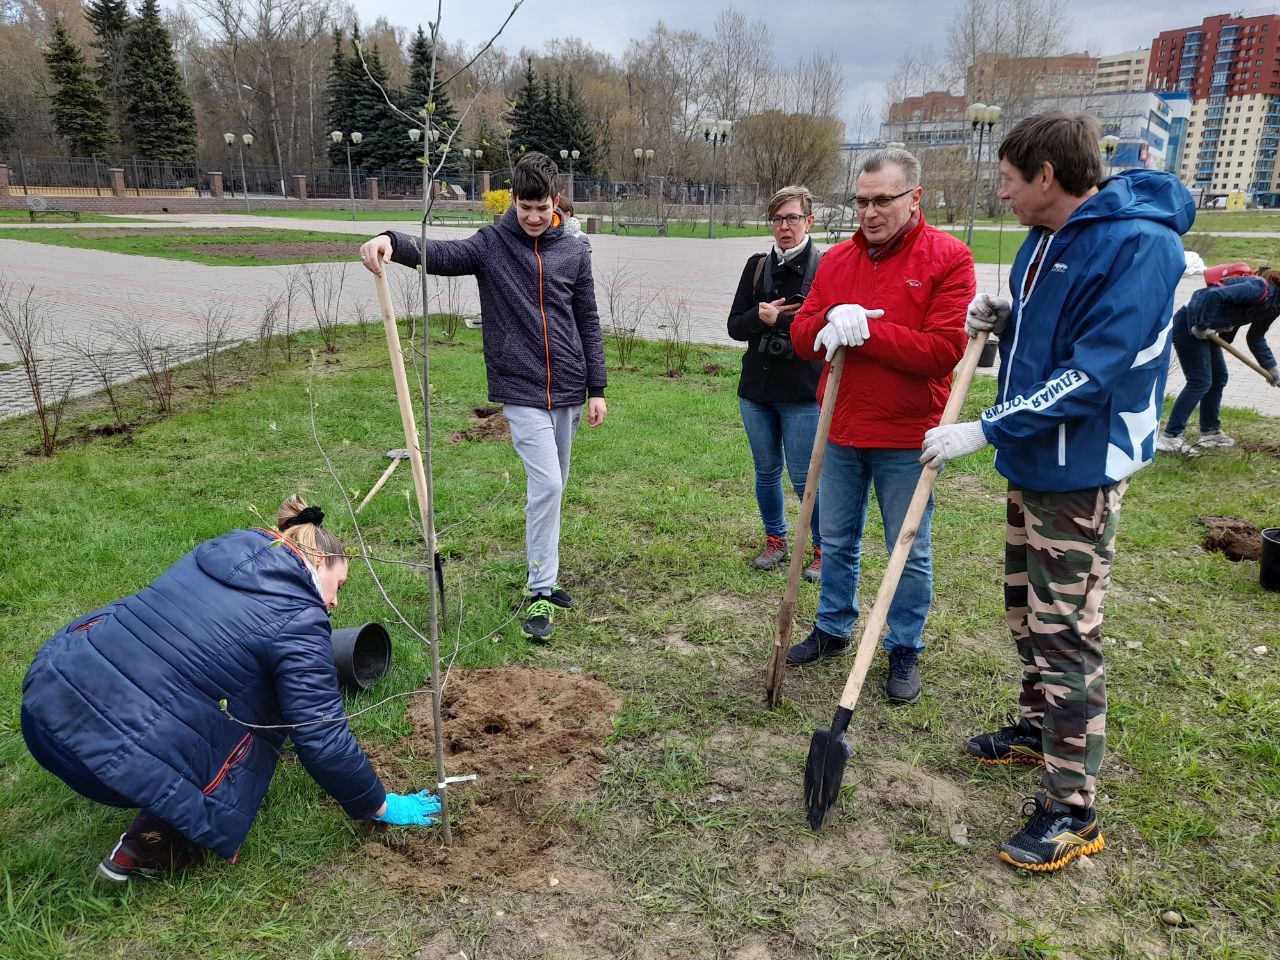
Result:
x=535 y=740
x=487 y=424
x=1234 y=539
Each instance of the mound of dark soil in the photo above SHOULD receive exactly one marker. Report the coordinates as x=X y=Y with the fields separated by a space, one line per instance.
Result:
x=1234 y=539
x=487 y=424
x=534 y=739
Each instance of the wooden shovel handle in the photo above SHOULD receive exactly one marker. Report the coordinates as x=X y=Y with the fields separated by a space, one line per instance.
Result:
x=787 y=609
x=1240 y=355
x=382 y=481
x=907 y=535
x=406 y=404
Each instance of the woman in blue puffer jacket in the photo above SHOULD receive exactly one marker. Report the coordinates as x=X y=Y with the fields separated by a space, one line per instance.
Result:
x=132 y=705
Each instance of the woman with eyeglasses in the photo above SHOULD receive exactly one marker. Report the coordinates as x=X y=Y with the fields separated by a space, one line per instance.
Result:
x=777 y=390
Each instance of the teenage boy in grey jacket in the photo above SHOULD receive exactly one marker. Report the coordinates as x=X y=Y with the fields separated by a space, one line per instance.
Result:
x=543 y=350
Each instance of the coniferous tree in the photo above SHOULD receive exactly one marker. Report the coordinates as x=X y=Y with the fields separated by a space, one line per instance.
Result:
x=342 y=87
x=110 y=21
x=381 y=128
x=528 y=117
x=159 y=108
x=579 y=133
x=80 y=115
x=443 y=117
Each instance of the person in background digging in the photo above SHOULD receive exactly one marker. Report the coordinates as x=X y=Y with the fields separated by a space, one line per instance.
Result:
x=126 y=704
x=543 y=350
x=1222 y=308
x=1084 y=351
x=777 y=389
x=893 y=295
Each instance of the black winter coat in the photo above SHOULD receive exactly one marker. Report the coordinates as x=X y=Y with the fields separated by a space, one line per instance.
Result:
x=770 y=377
x=542 y=340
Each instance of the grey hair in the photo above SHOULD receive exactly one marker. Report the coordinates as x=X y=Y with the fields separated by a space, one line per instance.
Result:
x=905 y=162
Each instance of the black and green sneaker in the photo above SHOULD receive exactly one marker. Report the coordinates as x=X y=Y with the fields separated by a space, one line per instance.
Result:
x=1054 y=835
x=561 y=598
x=537 y=620
x=1017 y=743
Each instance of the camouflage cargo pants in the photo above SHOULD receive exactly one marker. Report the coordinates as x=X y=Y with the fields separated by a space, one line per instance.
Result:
x=1058 y=552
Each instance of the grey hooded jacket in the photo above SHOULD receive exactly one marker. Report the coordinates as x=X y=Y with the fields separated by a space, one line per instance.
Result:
x=542 y=340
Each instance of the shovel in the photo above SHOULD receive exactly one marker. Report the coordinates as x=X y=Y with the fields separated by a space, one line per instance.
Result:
x=828 y=753
x=1240 y=355
x=786 y=611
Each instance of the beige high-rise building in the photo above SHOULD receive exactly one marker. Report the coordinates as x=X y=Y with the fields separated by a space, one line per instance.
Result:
x=1122 y=72
x=1242 y=138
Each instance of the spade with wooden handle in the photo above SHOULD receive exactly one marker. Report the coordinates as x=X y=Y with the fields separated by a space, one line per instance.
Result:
x=1243 y=357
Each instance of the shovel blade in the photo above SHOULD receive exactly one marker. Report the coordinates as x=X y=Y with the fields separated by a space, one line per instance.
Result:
x=823 y=774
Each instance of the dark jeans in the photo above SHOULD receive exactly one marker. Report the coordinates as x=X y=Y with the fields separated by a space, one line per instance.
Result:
x=67 y=767
x=1206 y=372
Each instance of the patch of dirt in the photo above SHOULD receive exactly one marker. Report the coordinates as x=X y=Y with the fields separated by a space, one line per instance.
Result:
x=529 y=735
x=895 y=785
x=297 y=250
x=1270 y=447
x=712 y=369
x=735 y=606
x=487 y=424
x=1234 y=539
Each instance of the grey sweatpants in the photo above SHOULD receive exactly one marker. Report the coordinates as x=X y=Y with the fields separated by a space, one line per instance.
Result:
x=544 y=440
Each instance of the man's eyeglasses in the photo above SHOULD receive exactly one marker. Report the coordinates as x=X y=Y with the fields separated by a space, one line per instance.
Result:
x=791 y=220
x=880 y=203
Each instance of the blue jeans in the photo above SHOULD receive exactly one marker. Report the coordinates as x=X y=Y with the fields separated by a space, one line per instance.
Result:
x=848 y=475
x=775 y=429
x=1206 y=372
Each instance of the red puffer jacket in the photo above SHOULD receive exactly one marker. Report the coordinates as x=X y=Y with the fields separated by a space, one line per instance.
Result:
x=895 y=385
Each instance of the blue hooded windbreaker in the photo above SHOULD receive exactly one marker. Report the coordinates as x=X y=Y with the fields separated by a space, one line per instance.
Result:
x=1084 y=358
x=132 y=690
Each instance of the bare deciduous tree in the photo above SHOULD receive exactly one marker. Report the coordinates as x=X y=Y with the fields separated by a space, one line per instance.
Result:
x=97 y=352
x=214 y=325
x=26 y=324
x=323 y=285
x=154 y=354
x=775 y=148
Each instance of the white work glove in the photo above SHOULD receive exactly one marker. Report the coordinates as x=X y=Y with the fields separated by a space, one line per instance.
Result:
x=954 y=440
x=1201 y=333
x=828 y=338
x=987 y=313
x=1274 y=373
x=850 y=323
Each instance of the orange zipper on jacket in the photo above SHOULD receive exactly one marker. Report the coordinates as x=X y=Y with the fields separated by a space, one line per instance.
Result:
x=238 y=753
x=546 y=337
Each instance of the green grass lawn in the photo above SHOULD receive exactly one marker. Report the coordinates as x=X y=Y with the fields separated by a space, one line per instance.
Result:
x=693 y=844
x=240 y=247
x=373 y=216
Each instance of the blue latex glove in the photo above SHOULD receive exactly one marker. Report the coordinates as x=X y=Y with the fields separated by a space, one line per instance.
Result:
x=411 y=810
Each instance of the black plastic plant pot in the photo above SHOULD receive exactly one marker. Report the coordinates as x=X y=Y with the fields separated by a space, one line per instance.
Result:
x=362 y=655
x=1269 y=573
x=989 y=351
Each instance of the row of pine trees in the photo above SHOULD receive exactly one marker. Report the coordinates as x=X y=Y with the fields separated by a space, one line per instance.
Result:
x=132 y=100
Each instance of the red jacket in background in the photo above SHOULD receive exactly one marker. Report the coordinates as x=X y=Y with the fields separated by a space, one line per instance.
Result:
x=895 y=385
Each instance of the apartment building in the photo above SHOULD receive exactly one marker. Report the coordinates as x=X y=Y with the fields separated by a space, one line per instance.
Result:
x=1122 y=72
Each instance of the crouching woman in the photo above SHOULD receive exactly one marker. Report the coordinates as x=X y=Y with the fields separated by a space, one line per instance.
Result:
x=132 y=705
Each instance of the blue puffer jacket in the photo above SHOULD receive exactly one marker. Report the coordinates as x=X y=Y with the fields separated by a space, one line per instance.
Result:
x=1084 y=359
x=132 y=690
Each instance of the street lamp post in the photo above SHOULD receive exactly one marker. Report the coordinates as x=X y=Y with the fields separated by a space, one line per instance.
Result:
x=336 y=137
x=246 y=140
x=982 y=117
x=570 y=155
x=1109 y=144
x=229 y=139
x=715 y=132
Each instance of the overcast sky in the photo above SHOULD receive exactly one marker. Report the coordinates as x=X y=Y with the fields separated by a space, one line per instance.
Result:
x=869 y=36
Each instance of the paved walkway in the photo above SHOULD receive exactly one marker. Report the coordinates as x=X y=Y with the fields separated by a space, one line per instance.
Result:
x=89 y=292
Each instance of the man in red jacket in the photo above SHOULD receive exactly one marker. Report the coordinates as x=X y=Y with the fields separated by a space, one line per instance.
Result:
x=895 y=296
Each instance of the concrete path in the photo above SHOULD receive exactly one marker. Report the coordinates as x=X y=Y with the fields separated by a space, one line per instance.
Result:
x=88 y=292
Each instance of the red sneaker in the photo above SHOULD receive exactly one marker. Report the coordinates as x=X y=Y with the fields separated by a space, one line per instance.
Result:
x=148 y=850
x=775 y=551
x=813 y=572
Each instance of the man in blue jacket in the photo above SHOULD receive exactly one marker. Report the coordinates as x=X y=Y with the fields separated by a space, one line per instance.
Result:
x=1084 y=351
x=543 y=350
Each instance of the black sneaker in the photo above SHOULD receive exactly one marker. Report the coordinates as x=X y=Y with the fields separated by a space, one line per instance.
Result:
x=537 y=623
x=560 y=597
x=903 y=683
x=121 y=866
x=1054 y=836
x=1017 y=743
x=819 y=645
